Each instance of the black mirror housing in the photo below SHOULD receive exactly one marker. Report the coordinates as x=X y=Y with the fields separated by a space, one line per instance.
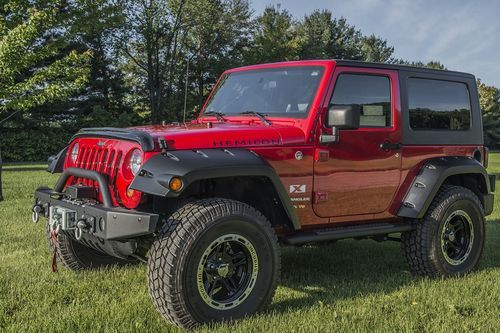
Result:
x=344 y=116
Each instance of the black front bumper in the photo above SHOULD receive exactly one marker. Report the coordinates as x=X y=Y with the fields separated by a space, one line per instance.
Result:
x=101 y=220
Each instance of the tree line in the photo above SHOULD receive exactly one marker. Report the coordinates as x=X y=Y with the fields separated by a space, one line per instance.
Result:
x=66 y=64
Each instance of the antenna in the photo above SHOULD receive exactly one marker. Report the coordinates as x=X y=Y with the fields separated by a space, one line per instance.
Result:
x=186 y=91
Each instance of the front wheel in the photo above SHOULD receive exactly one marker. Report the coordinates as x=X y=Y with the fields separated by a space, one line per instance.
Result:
x=449 y=240
x=213 y=260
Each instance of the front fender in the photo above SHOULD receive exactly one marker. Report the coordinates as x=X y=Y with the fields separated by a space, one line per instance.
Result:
x=155 y=175
x=56 y=162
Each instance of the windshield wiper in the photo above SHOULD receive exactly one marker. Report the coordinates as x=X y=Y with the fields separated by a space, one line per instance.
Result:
x=260 y=115
x=217 y=114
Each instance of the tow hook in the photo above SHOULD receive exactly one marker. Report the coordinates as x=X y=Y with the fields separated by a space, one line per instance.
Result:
x=81 y=227
x=35 y=215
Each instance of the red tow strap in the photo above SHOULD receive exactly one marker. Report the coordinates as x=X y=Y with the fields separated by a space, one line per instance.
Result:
x=54 y=256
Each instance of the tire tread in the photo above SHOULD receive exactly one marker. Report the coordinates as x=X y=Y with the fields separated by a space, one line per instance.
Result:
x=417 y=244
x=167 y=254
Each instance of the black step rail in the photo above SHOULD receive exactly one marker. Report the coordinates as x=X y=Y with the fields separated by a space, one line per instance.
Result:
x=361 y=231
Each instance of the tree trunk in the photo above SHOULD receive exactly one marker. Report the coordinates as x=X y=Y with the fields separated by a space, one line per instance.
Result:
x=1 y=196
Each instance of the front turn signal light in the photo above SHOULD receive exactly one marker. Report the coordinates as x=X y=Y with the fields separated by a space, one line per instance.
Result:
x=130 y=193
x=175 y=184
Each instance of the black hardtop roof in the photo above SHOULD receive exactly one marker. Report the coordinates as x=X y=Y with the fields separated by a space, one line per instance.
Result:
x=355 y=63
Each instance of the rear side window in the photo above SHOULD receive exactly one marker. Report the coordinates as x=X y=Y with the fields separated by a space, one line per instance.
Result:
x=371 y=92
x=438 y=104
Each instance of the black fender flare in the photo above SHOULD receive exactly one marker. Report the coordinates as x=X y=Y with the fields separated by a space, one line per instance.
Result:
x=56 y=162
x=430 y=178
x=193 y=165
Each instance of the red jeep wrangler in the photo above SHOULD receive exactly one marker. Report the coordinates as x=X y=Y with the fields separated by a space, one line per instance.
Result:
x=284 y=153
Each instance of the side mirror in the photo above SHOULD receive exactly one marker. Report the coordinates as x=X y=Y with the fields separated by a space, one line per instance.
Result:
x=343 y=117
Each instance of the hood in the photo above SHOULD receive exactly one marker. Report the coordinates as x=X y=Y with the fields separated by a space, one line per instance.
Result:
x=224 y=135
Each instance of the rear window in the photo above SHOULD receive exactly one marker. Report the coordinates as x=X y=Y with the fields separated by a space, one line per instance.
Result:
x=438 y=104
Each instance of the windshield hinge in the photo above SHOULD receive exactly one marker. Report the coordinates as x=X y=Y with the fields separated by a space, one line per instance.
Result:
x=163 y=145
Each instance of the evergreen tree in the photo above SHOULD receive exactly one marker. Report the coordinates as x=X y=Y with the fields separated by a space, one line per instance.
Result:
x=275 y=37
x=324 y=37
x=94 y=25
x=431 y=64
x=91 y=26
x=375 y=49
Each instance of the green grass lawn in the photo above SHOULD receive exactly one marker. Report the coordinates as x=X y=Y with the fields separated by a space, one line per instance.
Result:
x=349 y=286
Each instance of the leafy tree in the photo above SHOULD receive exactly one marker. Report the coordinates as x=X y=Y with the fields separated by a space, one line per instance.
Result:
x=489 y=99
x=161 y=37
x=36 y=65
x=150 y=41
x=216 y=37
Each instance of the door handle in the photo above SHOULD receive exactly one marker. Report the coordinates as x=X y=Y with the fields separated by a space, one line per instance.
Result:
x=387 y=146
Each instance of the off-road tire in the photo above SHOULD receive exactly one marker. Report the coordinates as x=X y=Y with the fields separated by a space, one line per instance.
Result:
x=422 y=247
x=179 y=247
x=76 y=256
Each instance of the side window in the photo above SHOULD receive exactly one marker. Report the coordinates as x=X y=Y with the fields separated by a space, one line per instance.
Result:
x=371 y=92
x=438 y=104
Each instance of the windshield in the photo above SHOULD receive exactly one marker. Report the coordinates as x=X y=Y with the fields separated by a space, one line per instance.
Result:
x=282 y=91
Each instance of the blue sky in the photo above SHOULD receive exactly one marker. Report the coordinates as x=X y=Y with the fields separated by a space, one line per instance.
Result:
x=463 y=35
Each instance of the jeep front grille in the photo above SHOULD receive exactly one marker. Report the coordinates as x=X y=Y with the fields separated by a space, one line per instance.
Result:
x=101 y=159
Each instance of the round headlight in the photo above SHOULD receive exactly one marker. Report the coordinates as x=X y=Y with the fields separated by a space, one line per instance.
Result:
x=135 y=162
x=74 y=153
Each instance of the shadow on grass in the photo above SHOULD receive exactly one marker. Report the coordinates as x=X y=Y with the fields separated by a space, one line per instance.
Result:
x=346 y=269
x=20 y=169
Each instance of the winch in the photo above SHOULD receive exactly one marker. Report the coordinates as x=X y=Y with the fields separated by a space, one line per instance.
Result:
x=61 y=218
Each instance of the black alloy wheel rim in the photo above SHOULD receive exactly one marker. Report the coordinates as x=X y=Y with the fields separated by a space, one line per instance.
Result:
x=457 y=237
x=227 y=271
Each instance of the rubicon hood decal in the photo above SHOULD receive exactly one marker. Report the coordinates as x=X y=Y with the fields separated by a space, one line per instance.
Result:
x=225 y=135
x=247 y=142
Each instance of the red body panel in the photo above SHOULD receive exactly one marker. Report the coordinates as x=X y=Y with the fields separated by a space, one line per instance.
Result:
x=349 y=181
x=359 y=180
x=106 y=156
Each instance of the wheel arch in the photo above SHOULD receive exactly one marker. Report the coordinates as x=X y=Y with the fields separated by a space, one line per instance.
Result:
x=461 y=171
x=257 y=191
x=237 y=174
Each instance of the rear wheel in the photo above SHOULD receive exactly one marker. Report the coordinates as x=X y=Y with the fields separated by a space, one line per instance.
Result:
x=76 y=256
x=213 y=260
x=449 y=240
